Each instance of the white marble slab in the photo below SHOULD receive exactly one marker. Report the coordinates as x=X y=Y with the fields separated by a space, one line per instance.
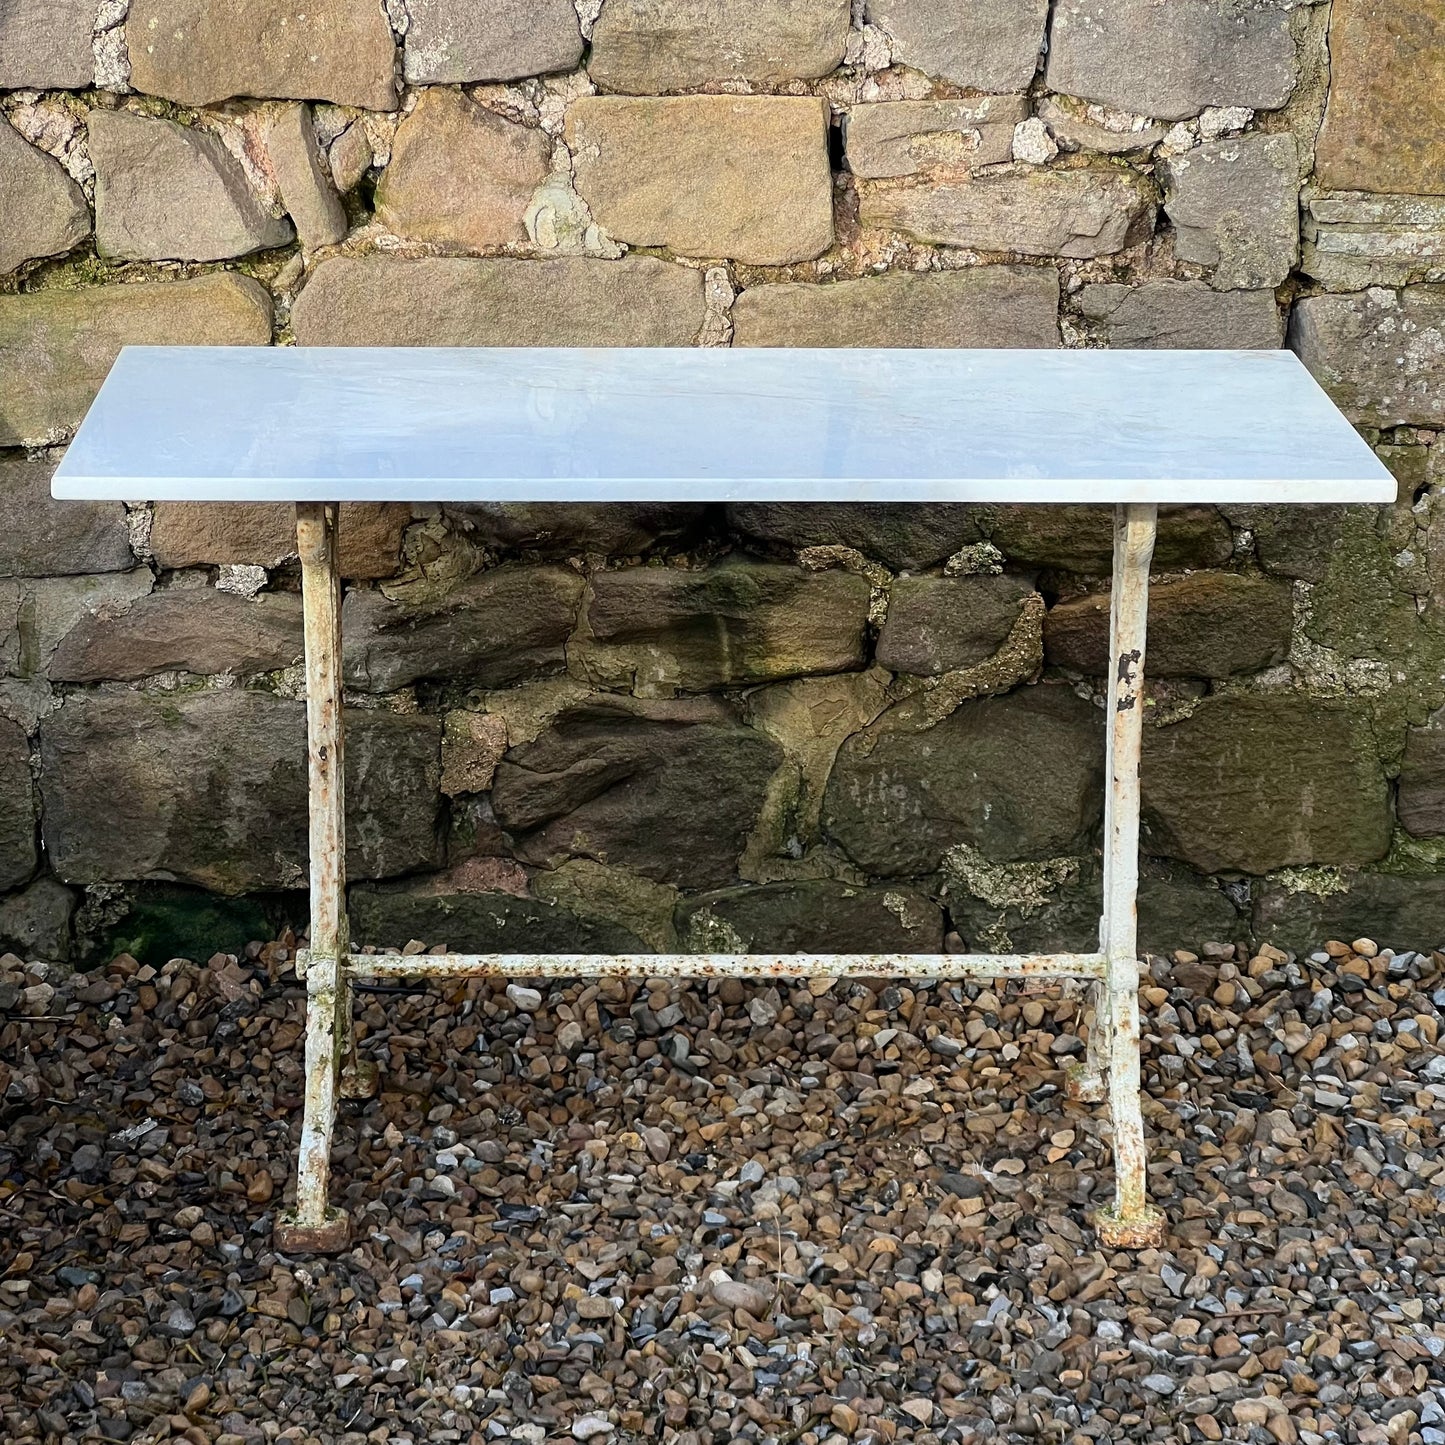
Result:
x=287 y=424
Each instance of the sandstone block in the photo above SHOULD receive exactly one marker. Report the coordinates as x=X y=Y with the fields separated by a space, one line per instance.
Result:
x=377 y=301
x=744 y=177
x=210 y=788
x=982 y=44
x=307 y=191
x=59 y=344
x=17 y=806
x=46 y=538
x=184 y=629
x=461 y=175
x=905 y=536
x=814 y=916
x=35 y=923
x=1081 y=538
x=170 y=192
x=1292 y=541
x=897 y=803
x=350 y=157
x=1422 y=781
x=1235 y=208
x=644 y=47
x=1384 y=127
x=1173 y=60
x=51 y=607
x=668 y=791
x=902 y=137
x=941 y=624
x=46 y=44
x=658 y=628
x=498 y=627
x=1076 y=125
x=45 y=211
x=1208 y=624
x=1182 y=314
x=1250 y=784
x=1005 y=306
x=1354 y=240
x=451 y=41
x=558 y=529
x=1398 y=911
x=1081 y=213
x=199 y=53
x=1379 y=354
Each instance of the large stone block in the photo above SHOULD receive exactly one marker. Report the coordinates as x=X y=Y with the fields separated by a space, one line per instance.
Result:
x=1352 y=240
x=1379 y=354
x=668 y=791
x=902 y=137
x=897 y=802
x=170 y=192
x=1182 y=314
x=210 y=788
x=982 y=44
x=48 y=608
x=46 y=44
x=46 y=538
x=644 y=47
x=979 y=306
x=496 y=628
x=902 y=536
x=1080 y=213
x=1384 y=127
x=35 y=923
x=461 y=175
x=941 y=624
x=59 y=344
x=199 y=53
x=1398 y=911
x=1250 y=784
x=1081 y=538
x=17 y=806
x=307 y=190
x=1422 y=781
x=376 y=301
x=451 y=41
x=1172 y=60
x=743 y=177
x=559 y=529
x=1291 y=541
x=658 y=628
x=1235 y=208
x=184 y=629
x=1208 y=624
x=45 y=212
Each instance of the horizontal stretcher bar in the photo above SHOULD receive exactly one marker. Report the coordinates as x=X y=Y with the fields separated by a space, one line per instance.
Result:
x=721 y=965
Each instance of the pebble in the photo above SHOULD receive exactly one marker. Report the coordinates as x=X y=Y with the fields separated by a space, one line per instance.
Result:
x=527 y=1000
x=591 y=1427
x=739 y=1295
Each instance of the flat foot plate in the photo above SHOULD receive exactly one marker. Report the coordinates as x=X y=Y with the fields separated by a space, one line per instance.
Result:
x=1141 y=1230
x=330 y=1236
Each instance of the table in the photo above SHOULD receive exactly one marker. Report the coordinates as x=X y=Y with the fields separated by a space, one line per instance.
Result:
x=318 y=427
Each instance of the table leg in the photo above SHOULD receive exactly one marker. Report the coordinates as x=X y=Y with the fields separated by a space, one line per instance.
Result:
x=1131 y=1222
x=315 y=1226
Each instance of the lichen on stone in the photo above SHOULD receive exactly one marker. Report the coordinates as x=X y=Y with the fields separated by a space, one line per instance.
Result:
x=1024 y=886
x=1320 y=882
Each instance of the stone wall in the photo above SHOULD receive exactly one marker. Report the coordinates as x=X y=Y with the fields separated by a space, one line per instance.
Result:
x=749 y=726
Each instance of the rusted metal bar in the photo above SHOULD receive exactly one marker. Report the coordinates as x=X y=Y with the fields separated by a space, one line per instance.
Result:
x=1132 y=1222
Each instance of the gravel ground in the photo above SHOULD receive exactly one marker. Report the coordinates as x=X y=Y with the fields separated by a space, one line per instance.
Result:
x=725 y=1212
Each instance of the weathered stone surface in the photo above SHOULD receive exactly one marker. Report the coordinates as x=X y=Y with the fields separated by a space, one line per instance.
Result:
x=1381 y=356
x=1081 y=538
x=613 y=897
x=448 y=41
x=644 y=47
x=1249 y=784
x=940 y=624
x=982 y=44
x=211 y=534
x=58 y=345
x=496 y=628
x=35 y=923
x=1398 y=911
x=1172 y=60
x=45 y=212
x=50 y=607
x=17 y=806
x=901 y=536
x=1080 y=213
x=461 y=175
x=1208 y=624
x=978 y=306
x=745 y=177
x=1077 y=125
x=377 y=301
x=1182 y=314
x=198 y=52
x=1291 y=541
x=657 y=628
x=1421 y=802
x=1235 y=208
x=668 y=792
x=558 y=529
x=902 y=137
x=46 y=538
x=898 y=802
x=814 y=916
x=170 y=192
x=307 y=191
x=46 y=44
x=390 y=917
x=186 y=629
x=1384 y=127
x=1352 y=241
x=210 y=788
x=350 y=157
